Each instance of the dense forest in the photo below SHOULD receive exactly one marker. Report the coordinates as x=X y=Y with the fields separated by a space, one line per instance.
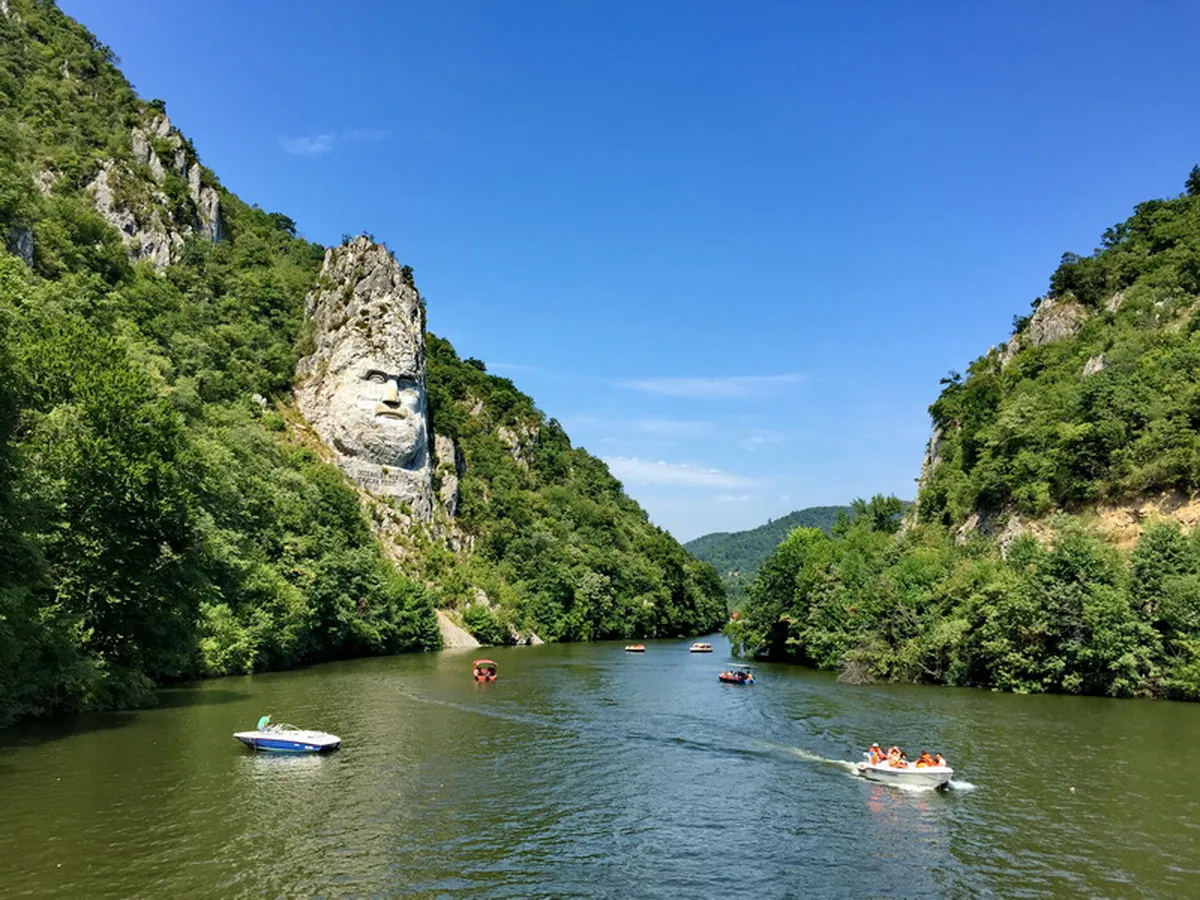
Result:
x=1103 y=408
x=738 y=555
x=159 y=517
x=560 y=548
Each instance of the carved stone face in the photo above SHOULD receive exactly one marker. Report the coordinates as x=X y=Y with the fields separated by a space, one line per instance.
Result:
x=378 y=413
x=362 y=389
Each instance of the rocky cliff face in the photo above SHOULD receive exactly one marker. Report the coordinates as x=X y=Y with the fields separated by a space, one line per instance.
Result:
x=1055 y=319
x=363 y=387
x=154 y=215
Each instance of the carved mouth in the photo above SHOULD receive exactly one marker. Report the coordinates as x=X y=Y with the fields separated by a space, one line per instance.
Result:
x=390 y=412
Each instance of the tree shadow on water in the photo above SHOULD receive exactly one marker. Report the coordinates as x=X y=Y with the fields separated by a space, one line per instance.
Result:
x=194 y=695
x=41 y=732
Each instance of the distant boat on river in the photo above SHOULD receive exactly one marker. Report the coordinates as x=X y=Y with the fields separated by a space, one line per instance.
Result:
x=701 y=648
x=737 y=675
x=485 y=670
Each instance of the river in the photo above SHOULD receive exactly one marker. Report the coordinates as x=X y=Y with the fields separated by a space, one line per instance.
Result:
x=585 y=771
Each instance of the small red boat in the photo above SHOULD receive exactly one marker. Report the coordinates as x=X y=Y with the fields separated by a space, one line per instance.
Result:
x=485 y=670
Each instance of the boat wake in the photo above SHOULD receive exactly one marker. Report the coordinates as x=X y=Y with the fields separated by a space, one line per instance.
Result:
x=956 y=785
x=491 y=713
x=808 y=756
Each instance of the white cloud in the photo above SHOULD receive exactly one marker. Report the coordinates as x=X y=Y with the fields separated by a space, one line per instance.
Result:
x=733 y=498
x=762 y=439
x=316 y=144
x=308 y=146
x=733 y=386
x=634 y=470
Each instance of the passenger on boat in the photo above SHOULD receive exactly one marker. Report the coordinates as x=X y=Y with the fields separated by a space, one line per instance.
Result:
x=264 y=722
x=899 y=762
x=939 y=760
x=875 y=755
x=924 y=760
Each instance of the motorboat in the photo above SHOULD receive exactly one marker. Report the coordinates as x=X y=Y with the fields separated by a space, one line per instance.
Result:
x=485 y=670
x=288 y=739
x=635 y=648
x=700 y=648
x=737 y=675
x=910 y=774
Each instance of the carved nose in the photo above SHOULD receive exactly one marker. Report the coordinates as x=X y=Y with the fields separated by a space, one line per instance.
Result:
x=391 y=393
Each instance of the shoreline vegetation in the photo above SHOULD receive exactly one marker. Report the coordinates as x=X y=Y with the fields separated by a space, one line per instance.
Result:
x=1067 y=614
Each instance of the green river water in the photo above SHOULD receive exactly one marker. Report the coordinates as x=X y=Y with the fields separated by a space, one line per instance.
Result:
x=588 y=772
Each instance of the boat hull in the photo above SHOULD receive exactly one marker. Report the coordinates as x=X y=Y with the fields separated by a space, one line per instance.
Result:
x=289 y=741
x=926 y=776
x=725 y=680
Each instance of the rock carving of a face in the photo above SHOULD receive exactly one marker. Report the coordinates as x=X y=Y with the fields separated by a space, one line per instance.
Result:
x=362 y=389
x=378 y=412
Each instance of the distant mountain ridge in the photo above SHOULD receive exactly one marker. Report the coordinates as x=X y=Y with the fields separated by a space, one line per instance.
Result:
x=737 y=555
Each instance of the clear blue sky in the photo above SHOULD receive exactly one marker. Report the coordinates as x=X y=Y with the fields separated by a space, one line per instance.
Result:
x=731 y=246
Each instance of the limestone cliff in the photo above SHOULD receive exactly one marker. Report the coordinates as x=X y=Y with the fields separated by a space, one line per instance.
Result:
x=362 y=388
x=154 y=205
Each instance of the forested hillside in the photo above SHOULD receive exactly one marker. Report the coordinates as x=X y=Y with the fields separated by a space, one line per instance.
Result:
x=738 y=555
x=1100 y=403
x=158 y=517
x=1004 y=578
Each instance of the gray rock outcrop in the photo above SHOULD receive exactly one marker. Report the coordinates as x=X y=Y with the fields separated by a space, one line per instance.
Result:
x=454 y=636
x=20 y=243
x=45 y=180
x=1095 y=364
x=150 y=226
x=362 y=389
x=450 y=468
x=1055 y=319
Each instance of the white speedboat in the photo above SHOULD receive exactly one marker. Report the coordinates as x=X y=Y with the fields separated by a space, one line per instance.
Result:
x=912 y=775
x=288 y=739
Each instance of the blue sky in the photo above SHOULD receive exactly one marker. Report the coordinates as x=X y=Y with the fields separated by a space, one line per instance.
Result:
x=732 y=247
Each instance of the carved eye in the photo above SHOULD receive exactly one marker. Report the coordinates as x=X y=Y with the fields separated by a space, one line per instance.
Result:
x=376 y=377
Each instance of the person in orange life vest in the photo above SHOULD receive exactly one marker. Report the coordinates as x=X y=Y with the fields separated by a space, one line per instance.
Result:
x=924 y=760
x=875 y=755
